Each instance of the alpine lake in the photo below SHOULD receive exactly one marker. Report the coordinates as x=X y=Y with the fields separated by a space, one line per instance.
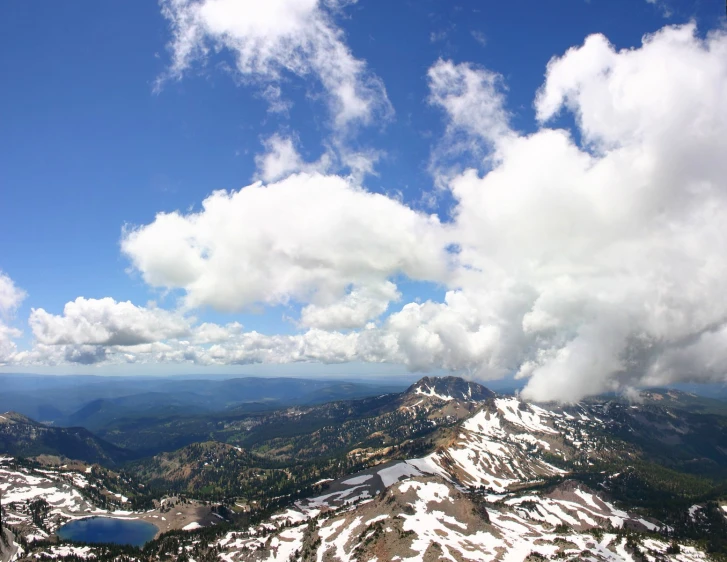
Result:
x=108 y=530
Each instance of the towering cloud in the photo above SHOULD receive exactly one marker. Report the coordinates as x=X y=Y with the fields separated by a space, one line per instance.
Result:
x=600 y=261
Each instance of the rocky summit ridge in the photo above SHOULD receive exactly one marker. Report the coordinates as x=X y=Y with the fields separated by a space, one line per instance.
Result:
x=450 y=388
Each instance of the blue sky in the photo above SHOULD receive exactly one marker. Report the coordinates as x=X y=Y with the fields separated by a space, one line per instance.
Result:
x=101 y=131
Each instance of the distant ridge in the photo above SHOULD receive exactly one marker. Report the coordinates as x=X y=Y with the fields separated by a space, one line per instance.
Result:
x=21 y=436
x=14 y=417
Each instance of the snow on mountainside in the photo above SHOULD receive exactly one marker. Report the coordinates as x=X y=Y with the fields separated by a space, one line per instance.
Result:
x=37 y=501
x=450 y=388
x=427 y=518
x=67 y=494
x=21 y=488
x=495 y=487
x=512 y=443
x=508 y=443
x=475 y=498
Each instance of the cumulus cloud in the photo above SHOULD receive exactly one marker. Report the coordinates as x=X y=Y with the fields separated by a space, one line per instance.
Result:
x=276 y=38
x=10 y=298
x=616 y=244
x=355 y=310
x=106 y=322
x=209 y=332
x=305 y=239
x=582 y=260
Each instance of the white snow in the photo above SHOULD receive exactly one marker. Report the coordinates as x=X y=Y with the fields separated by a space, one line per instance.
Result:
x=396 y=472
x=486 y=423
x=80 y=551
x=430 y=392
x=528 y=418
x=358 y=479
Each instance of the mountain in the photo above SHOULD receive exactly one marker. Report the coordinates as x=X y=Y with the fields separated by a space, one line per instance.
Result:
x=102 y=412
x=21 y=436
x=679 y=400
x=450 y=388
x=289 y=449
x=676 y=438
x=429 y=518
x=486 y=440
x=444 y=470
x=508 y=480
x=306 y=428
x=512 y=481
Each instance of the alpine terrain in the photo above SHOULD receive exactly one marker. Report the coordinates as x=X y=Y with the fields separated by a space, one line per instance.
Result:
x=446 y=470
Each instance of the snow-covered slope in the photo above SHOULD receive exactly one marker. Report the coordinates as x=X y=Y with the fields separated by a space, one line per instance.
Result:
x=22 y=486
x=495 y=488
x=427 y=518
x=474 y=498
x=450 y=388
x=510 y=443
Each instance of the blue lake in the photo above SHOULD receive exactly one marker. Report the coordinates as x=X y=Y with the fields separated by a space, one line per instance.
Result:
x=108 y=530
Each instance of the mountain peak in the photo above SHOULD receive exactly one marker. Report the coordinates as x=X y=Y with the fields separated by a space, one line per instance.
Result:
x=450 y=388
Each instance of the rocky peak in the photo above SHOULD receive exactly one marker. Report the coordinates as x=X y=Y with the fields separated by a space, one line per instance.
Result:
x=450 y=388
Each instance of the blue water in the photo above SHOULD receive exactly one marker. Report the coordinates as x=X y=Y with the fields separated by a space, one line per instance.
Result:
x=108 y=530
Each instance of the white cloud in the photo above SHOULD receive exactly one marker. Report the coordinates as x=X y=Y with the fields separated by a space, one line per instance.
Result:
x=277 y=37
x=214 y=333
x=8 y=346
x=305 y=239
x=665 y=9
x=10 y=298
x=106 y=322
x=474 y=103
x=355 y=310
x=616 y=247
x=480 y=37
x=472 y=98
x=282 y=159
